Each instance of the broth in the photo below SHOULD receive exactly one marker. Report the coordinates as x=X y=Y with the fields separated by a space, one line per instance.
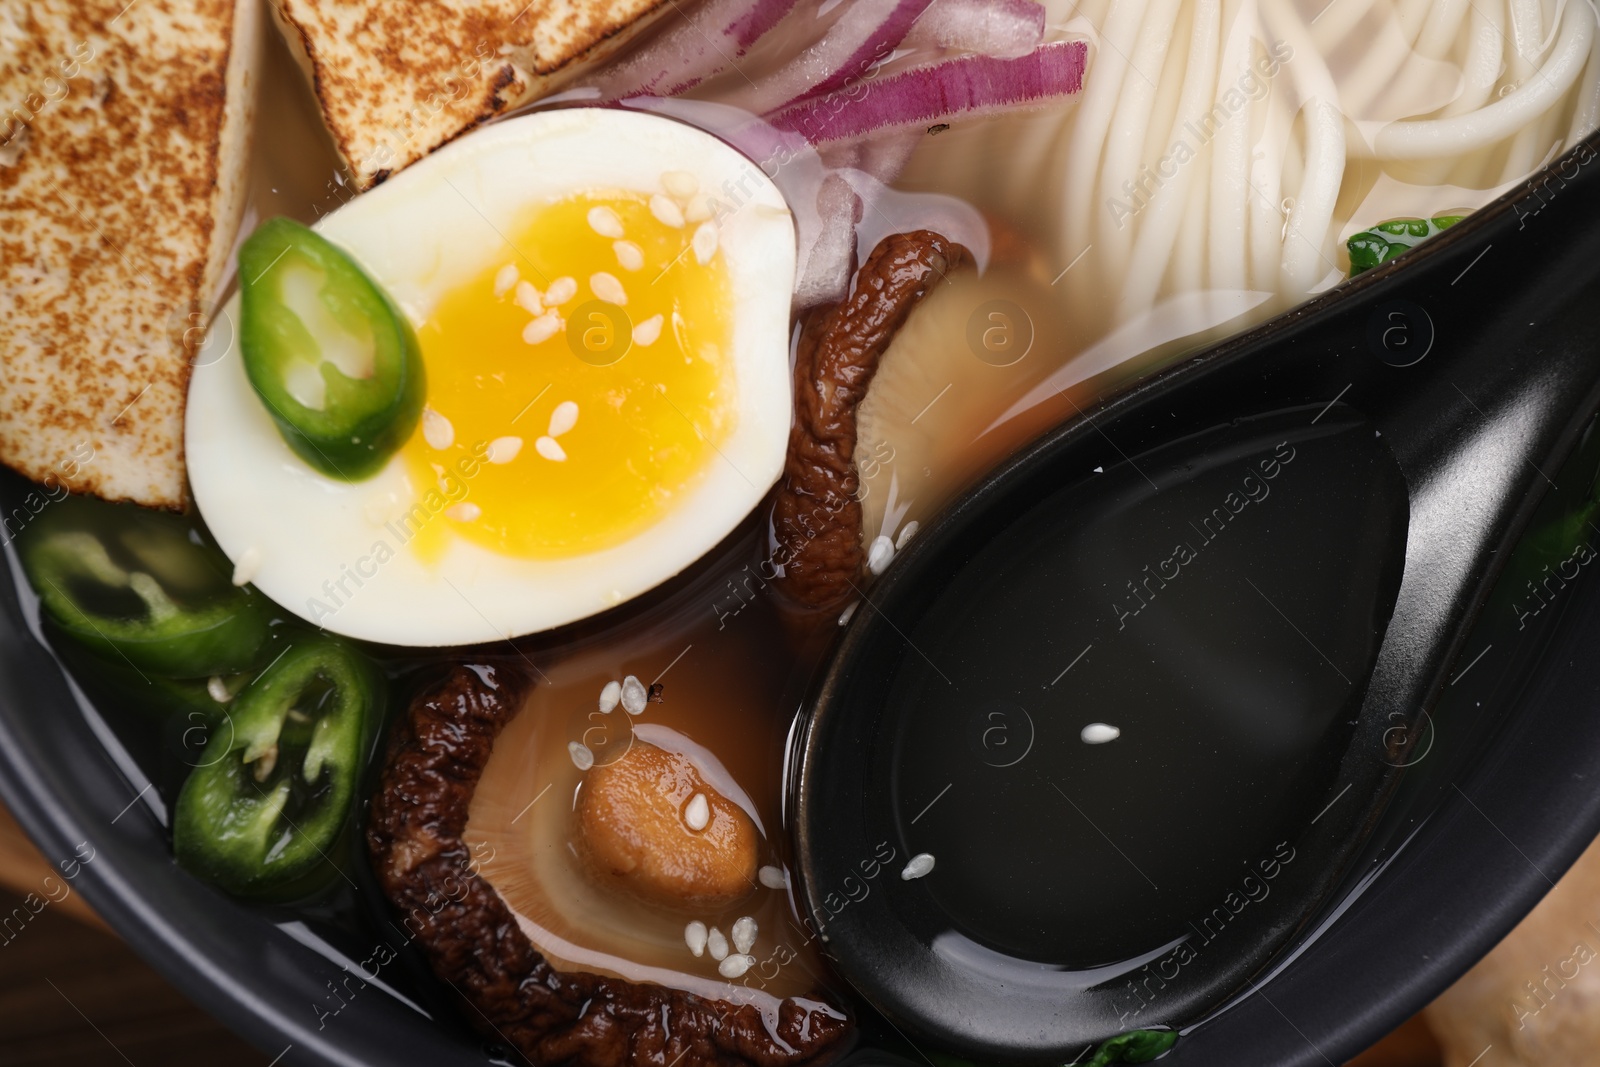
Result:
x=725 y=699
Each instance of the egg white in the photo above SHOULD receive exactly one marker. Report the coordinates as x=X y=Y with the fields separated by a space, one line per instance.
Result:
x=312 y=543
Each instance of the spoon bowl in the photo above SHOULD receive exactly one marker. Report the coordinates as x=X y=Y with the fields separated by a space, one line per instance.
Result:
x=1256 y=570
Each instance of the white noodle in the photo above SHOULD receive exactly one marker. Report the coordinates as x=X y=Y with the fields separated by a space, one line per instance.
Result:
x=1169 y=85
x=1413 y=15
x=1460 y=134
x=1230 y=160
x=1123 y=169
x=1527 y=30
x=1093 y=120
x=1267 y=214
x=1336 y=20
x=1306 y=257
x=1174 y=204
x=1442 y=30
x=1187 y=272
x=1383 y=58
x=1481 y=69
x=1385 y=109
x=1587 y=113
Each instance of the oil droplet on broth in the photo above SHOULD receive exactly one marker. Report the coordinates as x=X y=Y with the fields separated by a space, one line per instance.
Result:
x=722 y=704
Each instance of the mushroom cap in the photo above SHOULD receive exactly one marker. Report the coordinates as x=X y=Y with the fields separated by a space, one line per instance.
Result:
x=637 y=830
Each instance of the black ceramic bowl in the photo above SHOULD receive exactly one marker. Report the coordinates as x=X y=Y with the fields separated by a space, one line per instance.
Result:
x=1496 y=804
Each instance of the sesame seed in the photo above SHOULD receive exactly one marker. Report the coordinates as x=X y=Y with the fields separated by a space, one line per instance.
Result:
x=634 y=695
x=630 y=255
x=1098 y=733
x=607 y=288
x=646 y=332
x=705 y=242
x=542 y=328
x=771 y=877
x=247 y=566
x=694 y=935
x=907 y=532
x=561 y=290
x=609 y=697
x=550 y=449
x=505 y=279
x=920 y=865
x=680 y=183
x=604 y=221
x=735 y=966
x=582 y=758
x=503 y=449
x=697 y=813
x=717 y=943
x=880 y=555
x=744 y=934
x=437 y=430
x=848 y=613
x=217 y=690
x=466 y=511
x=666 y=211
x=699 y=209
x=563 y=418
x=528 y=299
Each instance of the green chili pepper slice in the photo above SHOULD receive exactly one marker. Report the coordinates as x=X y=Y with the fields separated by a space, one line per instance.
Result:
x=273 y=789
x=333 y=360
x=140 y=587
x=113 y=685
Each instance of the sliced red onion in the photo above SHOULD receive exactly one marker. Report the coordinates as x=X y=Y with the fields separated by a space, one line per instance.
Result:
x=704 y=43
x=782 y=155
x=872 y=44
x=1001 y=28
x=827 y=243
x=956 y=88
x=886 y=156
x=861 y=38
x=886 y=211
x=883 y=155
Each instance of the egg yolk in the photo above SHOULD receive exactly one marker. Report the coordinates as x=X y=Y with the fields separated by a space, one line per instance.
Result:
x=579 y=387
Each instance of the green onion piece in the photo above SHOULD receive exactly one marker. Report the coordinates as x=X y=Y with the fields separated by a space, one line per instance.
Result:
x=1135 y=1046
x=1388 y=239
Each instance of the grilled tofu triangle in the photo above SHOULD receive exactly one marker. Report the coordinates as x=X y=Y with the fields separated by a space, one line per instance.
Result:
x=122 y=177
x=397 y=80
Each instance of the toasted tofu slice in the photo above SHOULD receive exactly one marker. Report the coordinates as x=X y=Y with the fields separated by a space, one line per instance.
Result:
x=122 y=173
x=396 y=80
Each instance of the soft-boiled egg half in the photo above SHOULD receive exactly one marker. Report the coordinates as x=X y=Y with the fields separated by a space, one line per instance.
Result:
x=602 y=303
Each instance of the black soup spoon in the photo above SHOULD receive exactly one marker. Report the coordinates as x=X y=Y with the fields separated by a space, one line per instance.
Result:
x=1107 y=734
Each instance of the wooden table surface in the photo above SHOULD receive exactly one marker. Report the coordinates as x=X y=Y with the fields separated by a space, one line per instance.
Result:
x=72 y=995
